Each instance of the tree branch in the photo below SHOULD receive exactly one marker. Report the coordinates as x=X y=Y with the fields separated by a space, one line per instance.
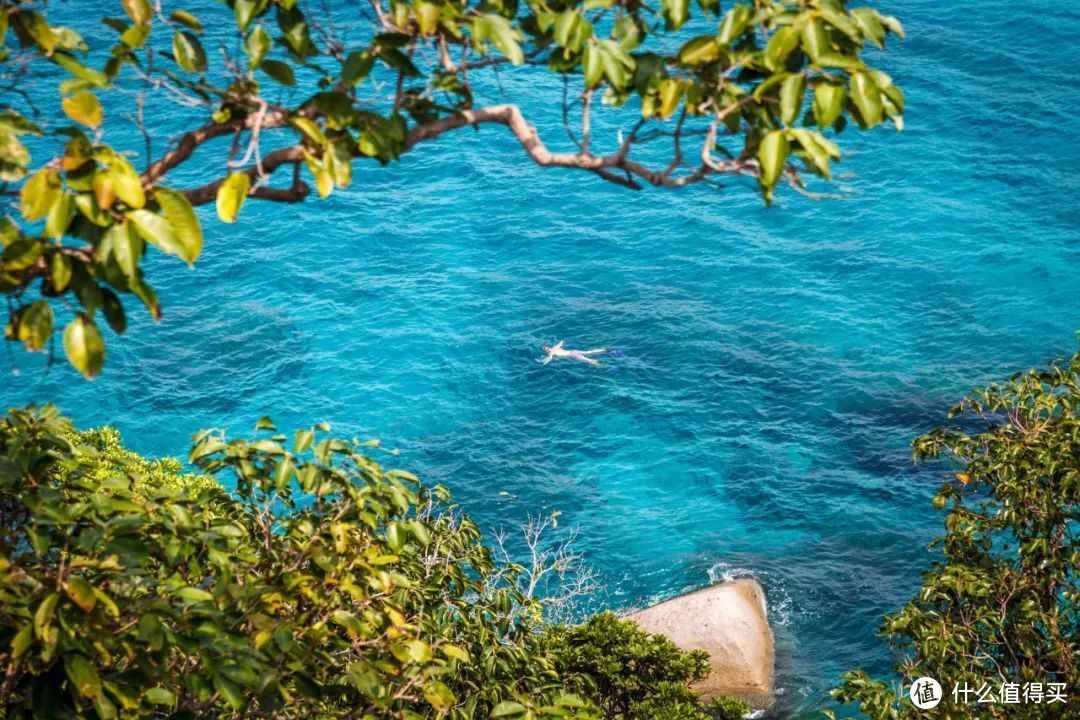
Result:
x=511 y=117
x=192 y=140
x=283 y=156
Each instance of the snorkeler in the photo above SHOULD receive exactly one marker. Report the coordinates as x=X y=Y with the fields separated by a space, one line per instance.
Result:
x=558 y=351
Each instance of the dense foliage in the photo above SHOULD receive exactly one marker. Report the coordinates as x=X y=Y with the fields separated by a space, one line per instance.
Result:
x=632 y=675
x=757 y=89
x=325 y=586
x=1000 y=611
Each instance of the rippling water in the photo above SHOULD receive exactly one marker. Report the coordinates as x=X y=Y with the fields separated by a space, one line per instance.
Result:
x=775 y=363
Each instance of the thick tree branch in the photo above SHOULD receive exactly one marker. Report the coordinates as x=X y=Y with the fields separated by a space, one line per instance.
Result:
x=190 y=141
x=284 y=156
x=603 y=165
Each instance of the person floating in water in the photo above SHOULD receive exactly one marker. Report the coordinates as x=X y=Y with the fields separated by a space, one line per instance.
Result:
x=558 y=351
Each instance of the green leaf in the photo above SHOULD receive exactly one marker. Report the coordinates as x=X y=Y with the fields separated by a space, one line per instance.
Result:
x=60 y=215
x=149 y=298
x=113 y=310
x=669 y=93
x=160 y=696
x=22 y=641
x=35 y=325
x=357 y=67
x=279 y=72
x=700 y=50
x=83 y=107
x=188 y=51
x=246 y=11
x=324 y=181
x=772 y=154
x=43 y=616
x=60 y=271
x=675 y=12
x=734 y=23
x=194 y=595
x=505 y=37
x=427 y=16
x=257 y=45
x=828 y=103
x=187 y=232
x=592 y=65
x=792 y=91
x=81 y=592
x=126 y=182
x=815 y=38
x=21 y=254
x=508 y=708
x=867 y=99
x=82 y=674
x=230 y=691
x=84 y=347
x=303 y=441
x=139 y=11
x=439 y=696
x=310 y=130
x=126 y=247
x=779 y=47
x=72 y=65
x=869 y=24
x=231 y=195
x=187 y=19
x=39 y=193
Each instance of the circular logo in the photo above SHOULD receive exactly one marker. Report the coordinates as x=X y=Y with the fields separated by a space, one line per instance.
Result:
x=925 y=693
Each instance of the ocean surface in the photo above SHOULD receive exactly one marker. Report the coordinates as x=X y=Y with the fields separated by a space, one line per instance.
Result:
x=775 y=363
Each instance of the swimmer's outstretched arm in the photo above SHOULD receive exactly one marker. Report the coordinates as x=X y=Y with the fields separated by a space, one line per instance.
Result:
x=547 y=359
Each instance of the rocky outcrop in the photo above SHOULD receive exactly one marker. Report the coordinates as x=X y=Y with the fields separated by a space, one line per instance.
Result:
x=729 y=622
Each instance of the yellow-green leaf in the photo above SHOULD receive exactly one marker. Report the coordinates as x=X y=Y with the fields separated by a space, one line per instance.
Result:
x=699 y=50
x=35 y=325
x=828 y=102
x=39 y=193
x=81 y=592
x=792 y=91
x=126 y=182
x=83 y=107
x=815 y=38
x=185 y=223
x=84 y=347
x=231 y=195
x=427 y=16
x=139 y=11
x=59 y=217
x=257 y=45
x=188 y=51
x=772 y=155
x=83 y=675
x=60 y=271
x=867 y=98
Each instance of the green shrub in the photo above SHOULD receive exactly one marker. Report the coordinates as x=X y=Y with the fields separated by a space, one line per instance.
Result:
x=632 y=675
x=324 y=586
x=1001 y=604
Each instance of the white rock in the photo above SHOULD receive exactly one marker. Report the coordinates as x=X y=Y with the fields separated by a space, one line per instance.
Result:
x=729 y=621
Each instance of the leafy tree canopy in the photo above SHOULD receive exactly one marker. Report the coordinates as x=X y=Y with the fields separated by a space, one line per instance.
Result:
x=1002 y=604
x=325 y=586
x=759 y=89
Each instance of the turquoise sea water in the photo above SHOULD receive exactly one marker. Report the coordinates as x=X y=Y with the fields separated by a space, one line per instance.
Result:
x=776 y=362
